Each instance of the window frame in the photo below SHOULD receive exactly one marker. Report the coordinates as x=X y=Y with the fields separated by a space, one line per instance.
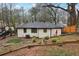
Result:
x=45 y=30
x=25 y=30
x=34 y=30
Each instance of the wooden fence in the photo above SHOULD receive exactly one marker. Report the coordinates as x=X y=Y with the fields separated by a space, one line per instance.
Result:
x=70 y=29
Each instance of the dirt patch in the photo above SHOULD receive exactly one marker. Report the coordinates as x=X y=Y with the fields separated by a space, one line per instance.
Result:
x=71 y=47
x=67 y=49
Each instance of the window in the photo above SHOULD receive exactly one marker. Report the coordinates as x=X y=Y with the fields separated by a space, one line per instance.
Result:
x=45 y=30
x=25 y=30
x=34 y=30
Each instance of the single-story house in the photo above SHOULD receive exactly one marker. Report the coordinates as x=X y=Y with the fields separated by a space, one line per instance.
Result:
x=39 y=29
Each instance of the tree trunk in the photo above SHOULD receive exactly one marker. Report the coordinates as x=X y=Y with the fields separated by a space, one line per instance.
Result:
x=72 y=12
x=35 y=18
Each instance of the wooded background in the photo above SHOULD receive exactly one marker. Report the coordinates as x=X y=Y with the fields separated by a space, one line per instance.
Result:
x=42 y=12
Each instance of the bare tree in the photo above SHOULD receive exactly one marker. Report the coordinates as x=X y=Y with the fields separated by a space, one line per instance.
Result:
x=70 y=10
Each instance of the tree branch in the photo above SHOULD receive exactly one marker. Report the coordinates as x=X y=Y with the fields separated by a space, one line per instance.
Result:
x=55 y=7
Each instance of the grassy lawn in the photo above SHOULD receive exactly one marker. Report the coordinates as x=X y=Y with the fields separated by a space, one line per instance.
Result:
x=13 y=43
x=57 y=52
x=16 y=40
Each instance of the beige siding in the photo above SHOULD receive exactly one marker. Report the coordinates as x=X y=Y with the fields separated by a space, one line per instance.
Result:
x=32 y=34
x=39 y=33
x=53 y=32
x=42 y=34
x=59 y=31
x=20 y=33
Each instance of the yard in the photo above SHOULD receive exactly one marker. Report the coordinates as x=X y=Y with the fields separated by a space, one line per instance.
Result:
x=14 y=46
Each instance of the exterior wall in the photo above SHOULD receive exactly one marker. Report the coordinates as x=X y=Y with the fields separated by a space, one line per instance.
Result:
x=59 y=32
x=31 y=34
x=42 y=34
x=39 y=33
x=20 y=33
x=53 y=32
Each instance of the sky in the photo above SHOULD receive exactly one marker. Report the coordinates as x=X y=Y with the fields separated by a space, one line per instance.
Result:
x=24 y=5
x=28 y=6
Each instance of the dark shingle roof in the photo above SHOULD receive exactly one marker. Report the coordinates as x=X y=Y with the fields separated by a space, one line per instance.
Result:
x=40 y=25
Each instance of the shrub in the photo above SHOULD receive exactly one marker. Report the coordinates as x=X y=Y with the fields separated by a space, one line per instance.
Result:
x=34 y=39
x=46 y=38
x=27 y=36
x=37 y=37
x=55 y=40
